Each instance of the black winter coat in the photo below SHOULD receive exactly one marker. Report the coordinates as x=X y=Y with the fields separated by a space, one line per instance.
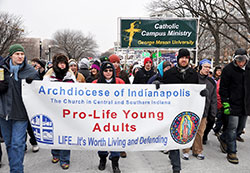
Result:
x=173 y=76
x=235 y=88
x=142 y=76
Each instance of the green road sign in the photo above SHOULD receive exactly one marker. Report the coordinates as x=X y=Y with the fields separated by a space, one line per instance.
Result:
x=148 y=33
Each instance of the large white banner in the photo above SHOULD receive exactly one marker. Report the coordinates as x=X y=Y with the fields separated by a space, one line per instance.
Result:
x=113 y=117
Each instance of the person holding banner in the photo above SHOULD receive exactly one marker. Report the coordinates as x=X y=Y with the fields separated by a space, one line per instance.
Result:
x=13 y=114
x=182 y=74
x=107 y=75
x=210 y=110
x=60 y=72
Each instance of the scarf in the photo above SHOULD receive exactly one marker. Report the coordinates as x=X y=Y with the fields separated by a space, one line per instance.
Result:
x=15 y=69
x=182 y=70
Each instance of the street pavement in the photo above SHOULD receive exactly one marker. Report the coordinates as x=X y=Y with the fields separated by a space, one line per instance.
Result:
x=140 y=162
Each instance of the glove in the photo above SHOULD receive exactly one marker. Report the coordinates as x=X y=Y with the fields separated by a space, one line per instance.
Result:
x=29 y=80
x=3 y=86
x=157 y=84
x=204 y=93
x=226 y=107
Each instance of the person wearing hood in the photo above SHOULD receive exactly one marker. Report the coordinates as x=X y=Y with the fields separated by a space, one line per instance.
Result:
x=161 y=68
x=235 y=98
x=182 y=73
x=135 y=69
x=84 y=67
x=209 y=111
x=74 y=67
x=13 y=114
x=60 y=72
x=108 y=76
x=145 y=73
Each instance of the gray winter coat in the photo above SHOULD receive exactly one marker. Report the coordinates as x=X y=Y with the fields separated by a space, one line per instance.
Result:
x=211 y=99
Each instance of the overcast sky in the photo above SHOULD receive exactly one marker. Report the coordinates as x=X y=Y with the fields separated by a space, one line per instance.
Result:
x=42 y=18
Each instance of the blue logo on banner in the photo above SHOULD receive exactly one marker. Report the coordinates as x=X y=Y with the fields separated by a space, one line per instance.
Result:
x=42 y=126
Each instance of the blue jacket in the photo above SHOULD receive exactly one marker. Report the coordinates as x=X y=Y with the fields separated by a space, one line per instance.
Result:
x=11 y=103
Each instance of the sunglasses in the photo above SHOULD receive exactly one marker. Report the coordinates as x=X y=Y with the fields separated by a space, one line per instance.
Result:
x=108 y=70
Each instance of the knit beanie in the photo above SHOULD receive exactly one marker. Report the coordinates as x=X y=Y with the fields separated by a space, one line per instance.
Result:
x=204 y=61
x=42 y=63
x=15 y=48
x=72 y=62
x=182 y=53
x=114 y=58
x=147 y=59
x=96 y=65
x=240 y=54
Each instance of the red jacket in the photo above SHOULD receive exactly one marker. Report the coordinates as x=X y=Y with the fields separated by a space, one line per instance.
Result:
x=219 y=105
x=117 y=81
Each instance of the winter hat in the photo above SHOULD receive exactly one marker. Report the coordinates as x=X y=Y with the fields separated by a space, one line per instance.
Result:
x=240 y=54
x=15 y=48
x=217 y=68
x=147 y=59
x=182 y=53
x=72 y=62
x=104 y=58
x=135 y=67
x=106 y=66
x=84 y=63
x=204 y=61
x=60 y=58
x=42 y=63
x=96 y=65
x=114 y=58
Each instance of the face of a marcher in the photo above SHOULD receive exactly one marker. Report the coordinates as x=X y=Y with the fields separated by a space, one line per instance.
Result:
x=218 y=72
x=183 y=61
x=61 y=65
x=17 y=58
x=116 y=64
x=205 y=69
x=73 y=67
x=93 y=71
x=108 y=73
x=148 y=66
x=38 y=66
x=241 y=64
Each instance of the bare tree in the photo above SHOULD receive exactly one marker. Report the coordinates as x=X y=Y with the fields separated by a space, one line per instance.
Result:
x=74 y=44
x=10 y=30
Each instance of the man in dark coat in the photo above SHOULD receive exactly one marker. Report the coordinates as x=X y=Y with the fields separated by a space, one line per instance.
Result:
x=145 y=73
x=13 y=115
x=182 y=74
x=235 y=99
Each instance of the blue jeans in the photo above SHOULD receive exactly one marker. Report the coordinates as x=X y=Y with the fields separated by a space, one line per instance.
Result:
x=63 y=155
x=235 y=124
x=14 y=134
x=174 y=156
x=106 y=153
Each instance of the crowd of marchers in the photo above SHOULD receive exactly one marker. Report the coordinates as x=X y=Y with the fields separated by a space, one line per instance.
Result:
x=227 y=95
